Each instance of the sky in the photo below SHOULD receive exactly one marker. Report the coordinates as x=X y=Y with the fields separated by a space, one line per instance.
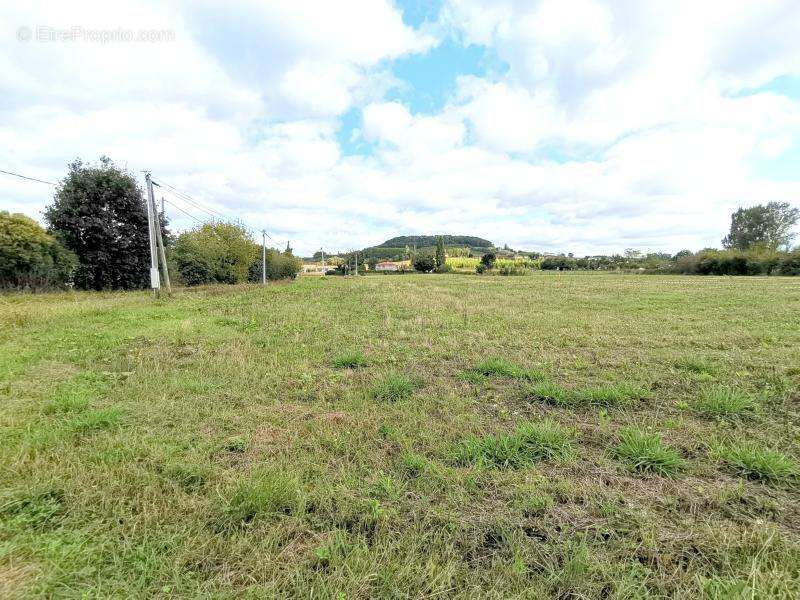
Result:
x=581 y=126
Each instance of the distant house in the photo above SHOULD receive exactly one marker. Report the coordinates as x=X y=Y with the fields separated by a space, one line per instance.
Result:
x=386 y=267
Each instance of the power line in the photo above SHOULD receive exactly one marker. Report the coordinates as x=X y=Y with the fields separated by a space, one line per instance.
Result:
x=184 y=212
x=26 y=177
x=189 y=199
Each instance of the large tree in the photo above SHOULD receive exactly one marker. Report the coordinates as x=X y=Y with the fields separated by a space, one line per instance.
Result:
x=766 y=226
x=99 y=214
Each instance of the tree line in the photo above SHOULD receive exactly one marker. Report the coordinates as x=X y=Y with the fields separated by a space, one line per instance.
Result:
x=97 y=239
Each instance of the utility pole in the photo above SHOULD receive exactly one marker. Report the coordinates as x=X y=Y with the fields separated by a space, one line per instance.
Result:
x=263 y=257
x=159 y=240
x=155 y=282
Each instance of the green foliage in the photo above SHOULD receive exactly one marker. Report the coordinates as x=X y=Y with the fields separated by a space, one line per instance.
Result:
x=646 y=453
x=766 y=226
x=532 y=442
x=423 y=241
x=790 y=264
x=350 y=360
x=757 y=261
x=720 y=401
x=756 y=462
x=215 y=253
x=393 y=387
x=440 y=258
x=30 y=258
x=99 y=214
x=97 y=420
x=558 y=263
x=424 y=262
x=280 y=265
x=487 y=260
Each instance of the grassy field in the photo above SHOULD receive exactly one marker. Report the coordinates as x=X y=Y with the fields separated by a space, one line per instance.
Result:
x=564 y=435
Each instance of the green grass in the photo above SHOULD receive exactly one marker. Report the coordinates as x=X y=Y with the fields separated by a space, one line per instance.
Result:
x=756 y=462
x=206 y=446
x=499 y=367
x=530 y=443
x=393 y=387
x=722 y=402
x=269 y=493
x=350 y=360
x=646 y=453
x=606 y=396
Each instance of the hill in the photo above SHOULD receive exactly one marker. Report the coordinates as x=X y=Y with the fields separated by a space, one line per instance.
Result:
x=422 y=241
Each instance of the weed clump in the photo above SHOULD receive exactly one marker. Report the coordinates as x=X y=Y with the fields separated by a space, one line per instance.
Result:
x=499 y=367
x=763 y=464
x=270 y=492
x=609 y=396
x=721 y=402
x=393 y=387
x=532 y=442
x=647 y=453
x=695 y=365
x=97 y=420
x=350 y=360
x=34 y=508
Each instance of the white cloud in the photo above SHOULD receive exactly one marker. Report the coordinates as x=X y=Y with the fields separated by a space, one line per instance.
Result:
x=617 y=124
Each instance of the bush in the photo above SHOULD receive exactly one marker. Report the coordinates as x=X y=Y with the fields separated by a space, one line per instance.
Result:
x=487 y=260
x=215 y=253
x=790 y=264
x=280 y=265
x=424 y=262
x=558 y=263
x=30 y=258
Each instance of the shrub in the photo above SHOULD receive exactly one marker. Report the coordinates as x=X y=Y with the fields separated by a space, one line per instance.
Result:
x=480 y=269
x=790 y=264
x=646 y=453
x=755 y=462
x=719 y=401
x=487 y=260
x=393 y=387
x=532 y=442
x=280 y=265
x=215 y=253
x=350 y=360
x=558 y=263
x=424 y=262
x=30 y=258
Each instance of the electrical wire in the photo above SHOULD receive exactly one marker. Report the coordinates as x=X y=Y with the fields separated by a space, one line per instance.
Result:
x=26 y=177
x=187 y=198
x=188 y=214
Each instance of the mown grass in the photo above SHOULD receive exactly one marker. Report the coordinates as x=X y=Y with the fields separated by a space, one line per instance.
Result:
x=235 y=442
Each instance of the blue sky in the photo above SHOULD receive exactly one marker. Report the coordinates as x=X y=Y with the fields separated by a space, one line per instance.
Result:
x=580 y=126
